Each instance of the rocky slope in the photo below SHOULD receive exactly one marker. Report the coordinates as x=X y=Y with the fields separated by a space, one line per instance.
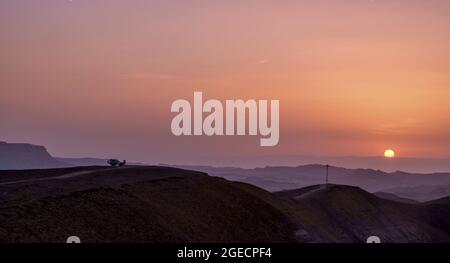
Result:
x=354 y=214
x=160 y=204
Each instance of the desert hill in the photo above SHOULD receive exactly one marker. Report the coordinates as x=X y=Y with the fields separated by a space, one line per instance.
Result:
x=354 y=213
x=138 y=204
x=393 y=197
x=161 y=204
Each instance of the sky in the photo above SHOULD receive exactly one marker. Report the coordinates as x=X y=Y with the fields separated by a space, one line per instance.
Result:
x=354 y=78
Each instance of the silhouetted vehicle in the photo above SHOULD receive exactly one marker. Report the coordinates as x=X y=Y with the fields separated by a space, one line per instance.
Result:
x=115 y=162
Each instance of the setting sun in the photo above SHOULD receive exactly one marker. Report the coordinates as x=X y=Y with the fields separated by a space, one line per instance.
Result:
x=389 y=154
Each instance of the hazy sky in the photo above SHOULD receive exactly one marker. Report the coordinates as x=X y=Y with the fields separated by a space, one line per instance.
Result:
x=354 y=77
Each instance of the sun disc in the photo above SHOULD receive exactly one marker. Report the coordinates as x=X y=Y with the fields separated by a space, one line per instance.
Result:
x=389 y=153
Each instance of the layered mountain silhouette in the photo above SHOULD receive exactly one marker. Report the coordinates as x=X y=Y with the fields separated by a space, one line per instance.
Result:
x=162 y=204
x=421 y=193
x=26 y=156
x=397 y=185
x=406 y=164
x=19 y=156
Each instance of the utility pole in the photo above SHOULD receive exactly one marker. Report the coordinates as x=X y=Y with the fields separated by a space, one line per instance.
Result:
x=326 y=179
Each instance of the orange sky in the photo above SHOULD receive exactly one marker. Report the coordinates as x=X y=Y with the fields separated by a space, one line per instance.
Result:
x=97 y=78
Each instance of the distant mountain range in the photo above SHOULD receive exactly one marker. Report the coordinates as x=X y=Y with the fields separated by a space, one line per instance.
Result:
x=26 y=156
x=161 y=204
x=406 y=164
x=20 y=156
x=421 y=193
x=419 y=187
x=407 y=186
